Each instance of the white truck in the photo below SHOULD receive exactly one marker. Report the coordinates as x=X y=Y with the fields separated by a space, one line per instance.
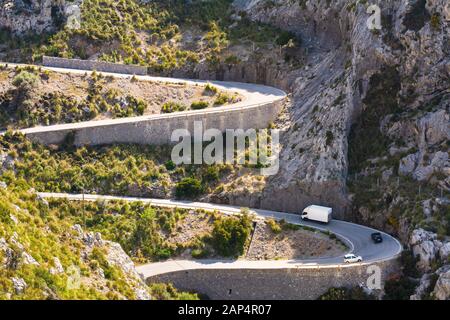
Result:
x=317 y=213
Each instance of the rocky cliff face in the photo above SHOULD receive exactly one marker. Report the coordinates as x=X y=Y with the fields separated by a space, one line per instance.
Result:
x=371 y=104
x=43 y=257
x=341 y=92
x=36 y=16
x=432 y=259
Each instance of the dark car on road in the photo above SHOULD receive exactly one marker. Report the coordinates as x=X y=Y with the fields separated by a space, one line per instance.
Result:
x=376 y=237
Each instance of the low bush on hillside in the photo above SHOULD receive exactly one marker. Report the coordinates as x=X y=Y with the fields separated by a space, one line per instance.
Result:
x=137 y=227
x=170 y=107
x=210 y=90
x=164 y=291
x=144 y=232
x=222 y=99
x=230 y=235
x=409 y=263
x=285 y=37
x=189 y=188
x=436 y=21
x=170 y=165
x=343 y=293
x=44 y=231
x=274 y=226
x=25 y=80
x=199 y=105
x=417 y=16
x=211 y=174
x=399 y=288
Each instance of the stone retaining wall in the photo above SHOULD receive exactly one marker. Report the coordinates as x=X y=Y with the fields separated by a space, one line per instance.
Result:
x=277 y=284
x=100 y=66
x=157 y=130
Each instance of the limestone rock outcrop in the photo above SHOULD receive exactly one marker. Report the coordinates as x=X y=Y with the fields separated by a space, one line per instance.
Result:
x=115 y=256
x=423 y=286
x=431 y=252
x=425 y=245
x=19 y=285
x=34 y=16
x=442 y=288
x=330 y=91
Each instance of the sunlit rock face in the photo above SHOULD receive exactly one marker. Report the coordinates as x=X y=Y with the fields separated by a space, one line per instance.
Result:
x=34 y=16
x=330 y=93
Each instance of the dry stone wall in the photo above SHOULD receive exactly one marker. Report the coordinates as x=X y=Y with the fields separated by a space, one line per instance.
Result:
x=157 y=130
x=278 y=284
x=100 y=66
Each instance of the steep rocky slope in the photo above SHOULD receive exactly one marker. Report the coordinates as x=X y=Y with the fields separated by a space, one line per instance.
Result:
x=354 y=81
x=43 y=257
x=369 y=113
x=367 y=130
x=369 y=126
x=30 y=16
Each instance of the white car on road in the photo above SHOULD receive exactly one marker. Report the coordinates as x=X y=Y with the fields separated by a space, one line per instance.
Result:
x=351 y=258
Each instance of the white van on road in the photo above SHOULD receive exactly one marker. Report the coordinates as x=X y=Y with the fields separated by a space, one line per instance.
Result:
x=317 y=213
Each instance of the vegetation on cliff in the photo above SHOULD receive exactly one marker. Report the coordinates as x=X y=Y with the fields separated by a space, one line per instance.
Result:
x=38 y=249
x=127 y=170
x=164 y=35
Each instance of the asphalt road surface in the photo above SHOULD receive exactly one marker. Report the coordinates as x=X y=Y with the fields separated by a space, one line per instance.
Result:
x=357 y=238
x=253 y=95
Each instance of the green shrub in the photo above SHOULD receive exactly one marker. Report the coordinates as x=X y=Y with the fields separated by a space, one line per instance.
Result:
x=142 y=236
x=366 y=140
x=436 y=21
x=98 y=256
x=25 y=80
x=417 y=16
x=343 y=293
x=199 y=105
x=200 y=253
x=329 y=138
x=163 y=253
x=170 y=107
x=230 y=235
x=5 y=213
x=170 y=165
x=222 y=99
x=274 y=226
x=210 y=90
x=188 y=188
x=409 y=263
x=163 y=291
x=285 y=37
x=290 y=226
x=211 y=174
x=399 y=289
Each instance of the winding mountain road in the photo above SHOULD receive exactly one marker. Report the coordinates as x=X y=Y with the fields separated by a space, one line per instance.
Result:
x=253 y=95
x=357 y=238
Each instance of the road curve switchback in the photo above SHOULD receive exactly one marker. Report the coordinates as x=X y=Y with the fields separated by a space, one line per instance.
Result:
x=357 y=238
x=253 y=95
